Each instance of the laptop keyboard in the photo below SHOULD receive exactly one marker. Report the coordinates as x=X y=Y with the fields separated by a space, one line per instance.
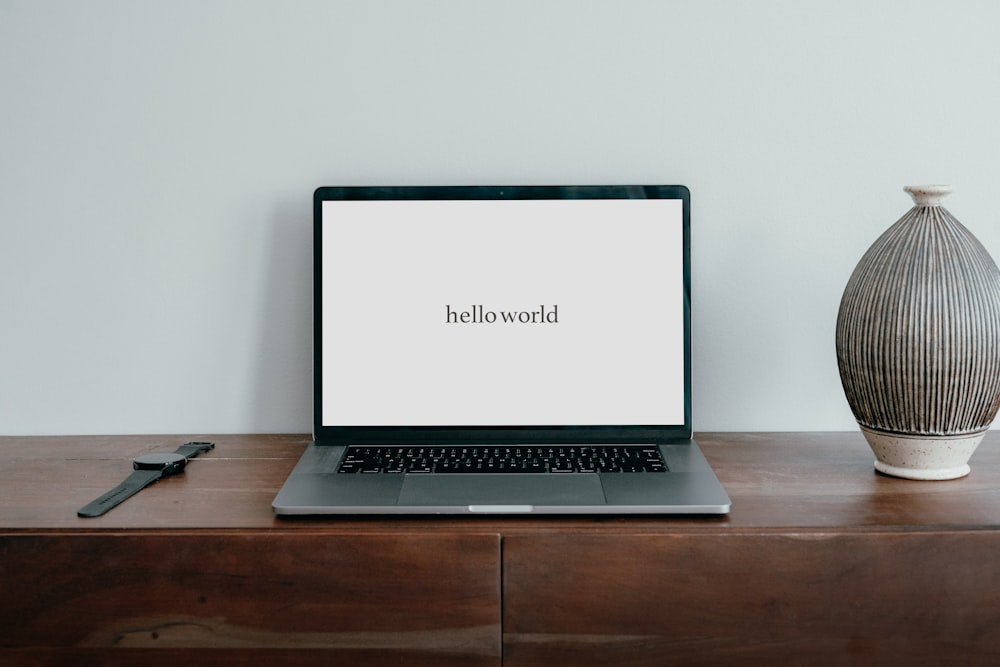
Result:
x=504 y=459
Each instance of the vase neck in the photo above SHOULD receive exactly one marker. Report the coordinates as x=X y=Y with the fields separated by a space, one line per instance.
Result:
x=928 y=195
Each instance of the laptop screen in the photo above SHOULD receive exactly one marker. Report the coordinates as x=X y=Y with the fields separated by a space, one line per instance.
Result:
x=502 y=309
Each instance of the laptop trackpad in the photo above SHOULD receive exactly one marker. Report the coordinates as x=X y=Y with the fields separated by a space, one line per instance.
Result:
x=507 y=490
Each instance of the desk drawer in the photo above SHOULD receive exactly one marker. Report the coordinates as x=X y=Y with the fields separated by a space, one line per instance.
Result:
x=343 y=598
x=922 y=597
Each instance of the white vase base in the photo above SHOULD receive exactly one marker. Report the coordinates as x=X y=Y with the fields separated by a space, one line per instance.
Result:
x=934 y=457
x=929 y=475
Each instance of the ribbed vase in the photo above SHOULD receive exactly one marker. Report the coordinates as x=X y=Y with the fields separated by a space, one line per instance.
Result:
x=918 y=342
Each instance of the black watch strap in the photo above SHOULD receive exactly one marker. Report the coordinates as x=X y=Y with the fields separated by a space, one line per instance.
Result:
x=132 y=485
x=148 y=469
x=193 y=449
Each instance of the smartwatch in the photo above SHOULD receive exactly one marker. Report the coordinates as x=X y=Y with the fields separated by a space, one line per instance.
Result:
x=147 y=469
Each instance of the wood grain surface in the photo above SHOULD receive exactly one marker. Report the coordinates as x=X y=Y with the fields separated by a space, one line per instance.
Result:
x=822 y=561
x=428 y=597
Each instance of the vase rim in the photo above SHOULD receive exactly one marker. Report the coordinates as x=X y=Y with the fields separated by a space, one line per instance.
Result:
x=928 y=195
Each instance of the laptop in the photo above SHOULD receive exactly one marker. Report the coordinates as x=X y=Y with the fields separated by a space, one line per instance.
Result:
x=502 y=350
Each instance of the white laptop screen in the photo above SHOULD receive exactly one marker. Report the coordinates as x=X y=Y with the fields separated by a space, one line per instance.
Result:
x=497 y=312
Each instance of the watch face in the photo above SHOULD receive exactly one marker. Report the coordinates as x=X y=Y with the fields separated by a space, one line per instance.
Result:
x=159 y=461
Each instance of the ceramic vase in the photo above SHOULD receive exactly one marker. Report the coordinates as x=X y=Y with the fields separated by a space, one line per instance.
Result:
x=918 y=342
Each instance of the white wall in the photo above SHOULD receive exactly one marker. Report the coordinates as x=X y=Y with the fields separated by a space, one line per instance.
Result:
x=157 y=161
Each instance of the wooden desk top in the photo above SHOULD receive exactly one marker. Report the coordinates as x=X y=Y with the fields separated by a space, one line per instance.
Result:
x=777 y=481
x=784 y=482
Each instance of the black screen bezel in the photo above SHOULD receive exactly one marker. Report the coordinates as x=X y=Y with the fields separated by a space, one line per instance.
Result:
x=648 y=433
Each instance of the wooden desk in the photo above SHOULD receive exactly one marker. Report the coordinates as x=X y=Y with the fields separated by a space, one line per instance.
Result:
x=822 y=561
